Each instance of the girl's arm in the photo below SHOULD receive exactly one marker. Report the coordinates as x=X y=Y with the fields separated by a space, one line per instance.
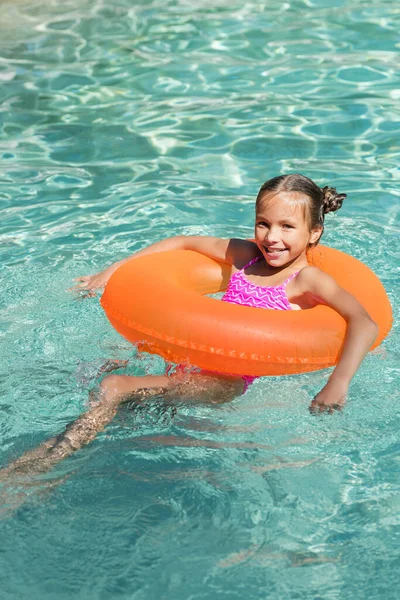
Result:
x=360 y=335
x=230 y=251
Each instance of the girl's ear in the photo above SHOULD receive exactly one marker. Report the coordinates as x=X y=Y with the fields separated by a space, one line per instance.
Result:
x=315 y=235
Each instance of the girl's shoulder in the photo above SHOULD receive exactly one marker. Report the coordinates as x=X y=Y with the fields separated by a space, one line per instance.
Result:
x=308 y=273
x=314 y=281
x=309 y=287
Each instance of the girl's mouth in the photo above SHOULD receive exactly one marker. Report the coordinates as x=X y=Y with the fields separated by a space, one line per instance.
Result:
x=275 y=250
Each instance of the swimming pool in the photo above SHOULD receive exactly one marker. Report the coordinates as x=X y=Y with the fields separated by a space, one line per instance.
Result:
x=123 y=123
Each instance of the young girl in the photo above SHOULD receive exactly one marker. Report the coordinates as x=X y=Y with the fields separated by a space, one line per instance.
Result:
x=271 y=272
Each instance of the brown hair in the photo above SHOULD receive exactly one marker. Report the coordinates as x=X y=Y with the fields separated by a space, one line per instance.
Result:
x=321 y=200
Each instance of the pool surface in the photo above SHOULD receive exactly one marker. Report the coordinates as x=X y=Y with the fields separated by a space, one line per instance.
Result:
x=122 y=123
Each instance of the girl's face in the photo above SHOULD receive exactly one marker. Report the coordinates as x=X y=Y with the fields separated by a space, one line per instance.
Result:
x=282 y=230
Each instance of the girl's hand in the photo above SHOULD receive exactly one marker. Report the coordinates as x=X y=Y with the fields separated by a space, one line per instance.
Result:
x=332 y=397
x=94 y=282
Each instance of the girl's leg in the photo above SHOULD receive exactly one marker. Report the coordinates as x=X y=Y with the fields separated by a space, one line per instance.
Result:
x=85 y=428
x=116 y=389
x=202 y=387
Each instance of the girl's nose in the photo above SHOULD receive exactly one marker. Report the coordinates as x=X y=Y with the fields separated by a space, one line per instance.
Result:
x=272 y=235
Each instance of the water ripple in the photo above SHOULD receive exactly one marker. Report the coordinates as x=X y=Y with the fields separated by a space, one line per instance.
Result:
x=124 y=123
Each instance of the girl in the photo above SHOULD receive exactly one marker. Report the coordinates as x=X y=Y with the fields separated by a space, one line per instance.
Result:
x=271 y=272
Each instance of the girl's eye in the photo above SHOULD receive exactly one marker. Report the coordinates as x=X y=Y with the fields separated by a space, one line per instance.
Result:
x=262 y=224
x=287 y=226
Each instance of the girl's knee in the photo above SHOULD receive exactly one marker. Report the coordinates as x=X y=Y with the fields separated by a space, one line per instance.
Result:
x=126 y=386
x=111 y=386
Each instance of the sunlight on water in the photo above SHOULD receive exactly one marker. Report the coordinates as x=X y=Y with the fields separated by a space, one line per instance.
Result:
x=120 y=124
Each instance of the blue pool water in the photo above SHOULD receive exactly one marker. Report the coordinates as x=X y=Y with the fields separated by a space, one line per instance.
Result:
x=126 y=122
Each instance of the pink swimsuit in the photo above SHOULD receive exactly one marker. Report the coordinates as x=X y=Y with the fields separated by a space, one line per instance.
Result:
x=241 y=291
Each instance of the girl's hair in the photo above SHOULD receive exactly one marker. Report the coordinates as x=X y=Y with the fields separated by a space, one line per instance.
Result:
x=320 y=200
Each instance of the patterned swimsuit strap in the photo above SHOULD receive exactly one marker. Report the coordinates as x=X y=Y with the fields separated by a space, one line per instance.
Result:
x=253 y=260
x=292 y=276
x=257 y=258
x=282 y=285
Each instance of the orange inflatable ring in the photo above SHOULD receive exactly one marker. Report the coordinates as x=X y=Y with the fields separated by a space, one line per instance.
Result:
x=158 y=302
